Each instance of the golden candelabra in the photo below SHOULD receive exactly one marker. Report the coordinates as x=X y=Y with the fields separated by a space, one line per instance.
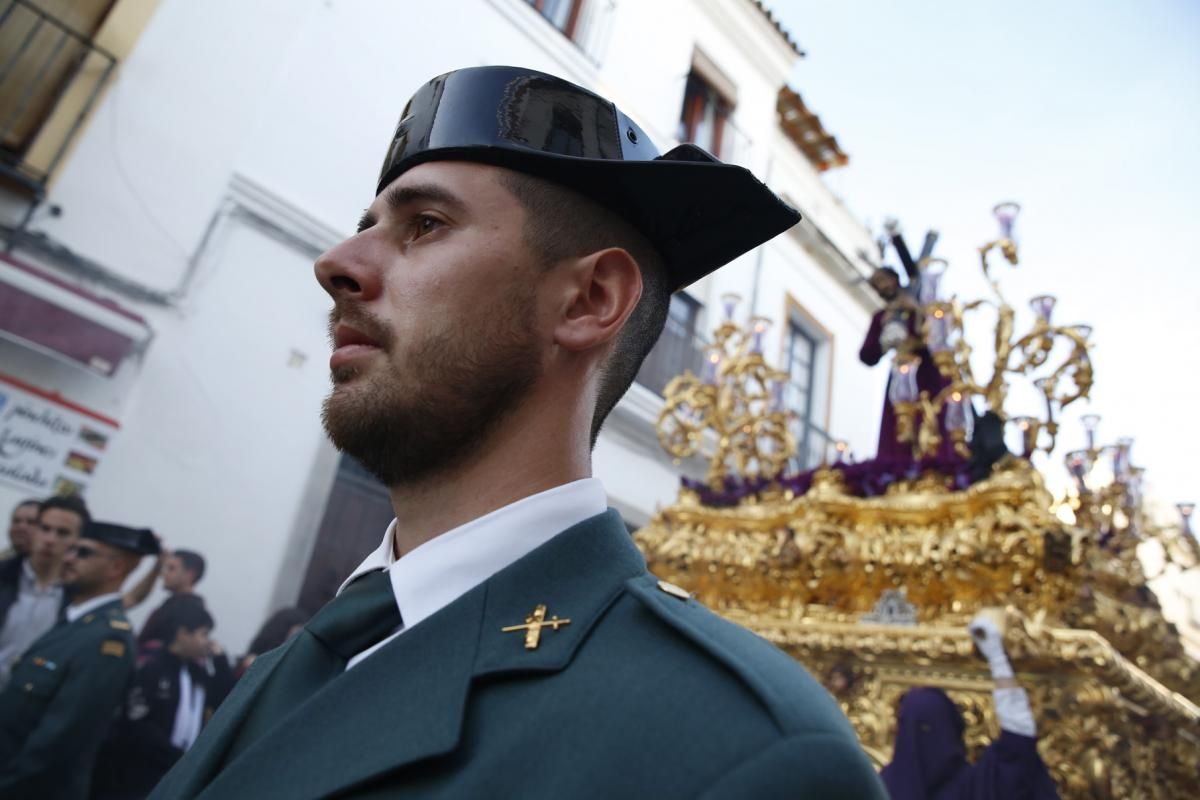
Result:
x=735 y=405
x=942 y=322
x=876 y=591
x=1107 y=498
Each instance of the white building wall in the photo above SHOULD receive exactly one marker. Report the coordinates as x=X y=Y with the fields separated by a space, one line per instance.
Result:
x=285 y=107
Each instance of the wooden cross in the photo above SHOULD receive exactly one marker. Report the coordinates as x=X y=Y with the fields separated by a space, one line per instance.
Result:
x=533 y=626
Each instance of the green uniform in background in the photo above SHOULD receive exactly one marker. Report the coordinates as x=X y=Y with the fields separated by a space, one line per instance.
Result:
x=57 y=708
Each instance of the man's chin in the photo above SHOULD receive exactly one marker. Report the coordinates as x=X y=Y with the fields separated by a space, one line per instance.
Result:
x=344 y=375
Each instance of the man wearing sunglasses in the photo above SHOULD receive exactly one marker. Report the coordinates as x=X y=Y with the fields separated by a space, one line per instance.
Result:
x=64 y=690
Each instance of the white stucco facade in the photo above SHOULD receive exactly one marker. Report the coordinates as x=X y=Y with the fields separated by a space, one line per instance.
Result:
x=238 y=140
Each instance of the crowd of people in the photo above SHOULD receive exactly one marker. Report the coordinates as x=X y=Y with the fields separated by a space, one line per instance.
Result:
x=88 y=708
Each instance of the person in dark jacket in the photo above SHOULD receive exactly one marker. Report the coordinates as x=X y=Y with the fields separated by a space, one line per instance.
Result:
x=21 y=527
x=181 y=570
x=487 y=319
x=174 y=693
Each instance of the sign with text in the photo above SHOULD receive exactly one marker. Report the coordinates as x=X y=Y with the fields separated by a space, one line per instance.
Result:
x=48 y=445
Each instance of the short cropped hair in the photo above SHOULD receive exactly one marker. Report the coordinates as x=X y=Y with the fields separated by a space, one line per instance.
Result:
x=561 y=223
x=193 y=562
x=72 y=502
x=189 y=617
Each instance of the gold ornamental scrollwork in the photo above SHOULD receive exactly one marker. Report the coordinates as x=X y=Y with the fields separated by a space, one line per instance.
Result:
x=735 y=407
x=1114 y=694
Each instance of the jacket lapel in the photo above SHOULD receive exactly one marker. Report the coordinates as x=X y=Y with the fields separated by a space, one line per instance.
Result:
x=576 y=575
x=403 y=704
x=407 y=702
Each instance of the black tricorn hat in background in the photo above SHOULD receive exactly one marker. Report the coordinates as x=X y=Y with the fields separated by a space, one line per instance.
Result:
x=135 y=540
x=699 y=213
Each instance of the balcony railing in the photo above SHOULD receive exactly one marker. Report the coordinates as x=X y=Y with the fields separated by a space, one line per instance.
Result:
x=41 y=59
x=679 y=350
x=814 y=447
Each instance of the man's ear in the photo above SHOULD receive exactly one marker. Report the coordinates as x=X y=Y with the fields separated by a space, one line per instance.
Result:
x=602 y=289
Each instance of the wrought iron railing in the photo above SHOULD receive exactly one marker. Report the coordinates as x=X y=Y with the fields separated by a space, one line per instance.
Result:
x=814 y=447
x=678 y=349
x=41 y=58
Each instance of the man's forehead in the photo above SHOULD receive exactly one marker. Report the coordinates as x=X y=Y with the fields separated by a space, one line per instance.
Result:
x=60 y=515
x=461 y=179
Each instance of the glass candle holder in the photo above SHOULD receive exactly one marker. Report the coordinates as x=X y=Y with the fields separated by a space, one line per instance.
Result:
x=1185 y=517
x=1006 y=216
x=729 y=302
x=758 y=328
x=1043 y=306
x=1091 y=422
x=904 y=387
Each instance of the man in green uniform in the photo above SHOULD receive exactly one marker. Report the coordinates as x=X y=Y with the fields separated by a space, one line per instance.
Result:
x=505 y=640
x=66 y=688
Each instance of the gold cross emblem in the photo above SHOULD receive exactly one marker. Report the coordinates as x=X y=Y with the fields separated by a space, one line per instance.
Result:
x=533 y=626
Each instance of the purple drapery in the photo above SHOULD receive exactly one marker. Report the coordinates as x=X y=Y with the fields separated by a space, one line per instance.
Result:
x=929 y=379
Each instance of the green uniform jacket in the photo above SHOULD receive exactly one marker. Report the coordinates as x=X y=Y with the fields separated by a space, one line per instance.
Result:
x=59 y=703
x=643 y=694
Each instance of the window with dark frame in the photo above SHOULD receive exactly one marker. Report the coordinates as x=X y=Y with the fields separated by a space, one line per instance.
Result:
x=705 y=115
x=800 y=362
x=562 y=14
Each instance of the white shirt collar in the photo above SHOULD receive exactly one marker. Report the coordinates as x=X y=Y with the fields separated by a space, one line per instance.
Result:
x=74 y=612
x=446 y=567
x=30 y=583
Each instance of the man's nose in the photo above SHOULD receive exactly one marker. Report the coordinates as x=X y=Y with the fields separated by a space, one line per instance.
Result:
x=351 y=270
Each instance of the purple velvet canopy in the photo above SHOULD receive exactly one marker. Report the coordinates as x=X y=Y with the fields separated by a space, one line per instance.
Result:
x=930 y=760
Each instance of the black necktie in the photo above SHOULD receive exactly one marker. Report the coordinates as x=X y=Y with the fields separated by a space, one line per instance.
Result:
x=362 y=615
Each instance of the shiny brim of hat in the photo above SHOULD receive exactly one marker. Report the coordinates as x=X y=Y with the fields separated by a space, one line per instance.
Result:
x=699 y=213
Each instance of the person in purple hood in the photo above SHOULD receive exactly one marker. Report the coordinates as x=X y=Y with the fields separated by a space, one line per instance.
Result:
x=929 y=761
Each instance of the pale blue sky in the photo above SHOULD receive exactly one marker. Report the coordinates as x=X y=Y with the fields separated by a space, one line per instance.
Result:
x=1086 y=113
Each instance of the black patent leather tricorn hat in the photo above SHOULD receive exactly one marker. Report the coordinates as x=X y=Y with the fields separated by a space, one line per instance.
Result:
x=700 y=213
x=141 y=541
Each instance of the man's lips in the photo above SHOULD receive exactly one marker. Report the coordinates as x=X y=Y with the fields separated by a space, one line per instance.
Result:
x=344 y=336
x=349 y=344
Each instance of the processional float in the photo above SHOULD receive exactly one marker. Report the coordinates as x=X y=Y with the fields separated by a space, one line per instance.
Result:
x=874 y=581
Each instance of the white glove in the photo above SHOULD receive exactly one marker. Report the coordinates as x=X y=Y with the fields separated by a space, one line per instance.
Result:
x=991 y=645
x=1012 y=704
x=1013 y=711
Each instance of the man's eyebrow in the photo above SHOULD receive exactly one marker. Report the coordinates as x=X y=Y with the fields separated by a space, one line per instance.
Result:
x=397 y=198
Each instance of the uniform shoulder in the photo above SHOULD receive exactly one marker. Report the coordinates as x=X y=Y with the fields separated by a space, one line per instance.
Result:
x=111 y=630
x=796 y=702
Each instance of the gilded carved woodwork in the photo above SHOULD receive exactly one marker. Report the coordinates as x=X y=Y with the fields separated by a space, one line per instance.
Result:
x=1109 y=683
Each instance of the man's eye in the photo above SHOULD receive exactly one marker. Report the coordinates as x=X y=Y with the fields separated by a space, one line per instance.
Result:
x=423 y=224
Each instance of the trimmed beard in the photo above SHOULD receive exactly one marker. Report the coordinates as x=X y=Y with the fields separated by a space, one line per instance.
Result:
x=435 y=405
